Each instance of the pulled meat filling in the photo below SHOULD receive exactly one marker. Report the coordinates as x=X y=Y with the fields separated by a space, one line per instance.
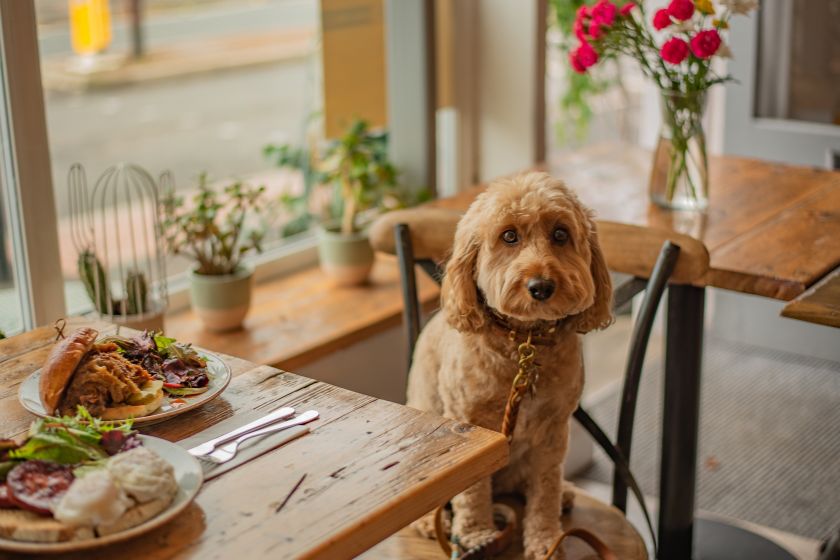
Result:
x=103 y=379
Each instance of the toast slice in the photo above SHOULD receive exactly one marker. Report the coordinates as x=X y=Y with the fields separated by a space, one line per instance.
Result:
x=21 y=525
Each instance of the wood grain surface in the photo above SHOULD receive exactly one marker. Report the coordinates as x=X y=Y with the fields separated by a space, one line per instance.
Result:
x=370 y=467
x=770 y=230
x=820 y=304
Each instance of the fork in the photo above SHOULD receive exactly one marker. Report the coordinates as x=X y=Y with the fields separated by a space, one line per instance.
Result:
x=227 y=452
x=209 y=446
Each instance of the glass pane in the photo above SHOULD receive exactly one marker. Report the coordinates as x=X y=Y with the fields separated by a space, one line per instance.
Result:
x=218 y=80
x=799 y=61
x=10 y=304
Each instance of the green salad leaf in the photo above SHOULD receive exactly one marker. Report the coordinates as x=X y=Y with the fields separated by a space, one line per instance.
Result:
x=67 y=439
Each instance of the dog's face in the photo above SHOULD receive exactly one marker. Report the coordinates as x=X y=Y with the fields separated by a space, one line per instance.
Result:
x=530 y=248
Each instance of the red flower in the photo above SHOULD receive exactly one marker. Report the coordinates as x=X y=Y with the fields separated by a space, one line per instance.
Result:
x=577 y=65
x=674 y=50
x=583 y=57
x=580 y=30
x=595 y=30
x=661 y=19
x=705 y=43
x=627 y=8
x=604 y=13
x=681 y=9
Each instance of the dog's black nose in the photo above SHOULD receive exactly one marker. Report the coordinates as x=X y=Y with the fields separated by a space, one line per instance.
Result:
x=540 y=288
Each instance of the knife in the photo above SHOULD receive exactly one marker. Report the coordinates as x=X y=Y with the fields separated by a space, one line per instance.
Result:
x=209 y=446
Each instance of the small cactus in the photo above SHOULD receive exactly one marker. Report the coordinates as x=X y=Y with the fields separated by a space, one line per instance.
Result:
x=93 y=277
x=136 y=291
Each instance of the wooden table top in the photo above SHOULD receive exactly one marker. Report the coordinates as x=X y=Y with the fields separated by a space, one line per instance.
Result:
x=771 y=229
x=371 y=466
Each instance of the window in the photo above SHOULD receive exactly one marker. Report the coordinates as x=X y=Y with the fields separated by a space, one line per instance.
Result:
x=217 y=81
x=11 y=319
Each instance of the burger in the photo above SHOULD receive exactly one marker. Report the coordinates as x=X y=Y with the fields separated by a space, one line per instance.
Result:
x=80 y=371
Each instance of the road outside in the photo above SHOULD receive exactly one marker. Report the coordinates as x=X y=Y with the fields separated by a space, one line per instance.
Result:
x=216 y=122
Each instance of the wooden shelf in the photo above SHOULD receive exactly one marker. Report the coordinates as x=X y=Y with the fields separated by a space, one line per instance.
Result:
x=301 y=317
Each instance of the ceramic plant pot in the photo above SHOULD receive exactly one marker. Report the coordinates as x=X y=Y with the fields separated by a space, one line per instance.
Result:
x=346 y=259
x=222 y=302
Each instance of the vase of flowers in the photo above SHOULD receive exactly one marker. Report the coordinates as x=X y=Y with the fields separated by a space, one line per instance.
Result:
x=675 y=47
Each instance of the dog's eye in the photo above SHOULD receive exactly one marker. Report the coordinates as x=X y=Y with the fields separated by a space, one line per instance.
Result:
x=509 y=236
x=560 y=236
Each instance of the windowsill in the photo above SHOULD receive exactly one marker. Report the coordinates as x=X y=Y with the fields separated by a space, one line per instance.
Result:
x=301 y=317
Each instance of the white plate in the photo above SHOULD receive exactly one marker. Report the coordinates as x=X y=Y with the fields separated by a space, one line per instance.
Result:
x=30 y=396
x=189 y=476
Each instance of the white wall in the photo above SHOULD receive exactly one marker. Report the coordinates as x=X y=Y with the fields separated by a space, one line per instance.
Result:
x=507 y=77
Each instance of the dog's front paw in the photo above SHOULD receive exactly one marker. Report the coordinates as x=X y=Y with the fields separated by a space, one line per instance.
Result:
x=539 y=540
x=475 y=540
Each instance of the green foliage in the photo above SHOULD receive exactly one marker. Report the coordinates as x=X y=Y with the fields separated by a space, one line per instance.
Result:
x=576 y=112
x=2 y=335
x=136 y=293
x=213 y=230
x=356 y=169
x=357 y=166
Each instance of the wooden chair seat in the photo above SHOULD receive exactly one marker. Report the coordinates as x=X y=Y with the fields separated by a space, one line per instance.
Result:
x=607 y=522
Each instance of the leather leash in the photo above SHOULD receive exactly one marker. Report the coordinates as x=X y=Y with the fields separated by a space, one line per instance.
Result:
x=523 y=382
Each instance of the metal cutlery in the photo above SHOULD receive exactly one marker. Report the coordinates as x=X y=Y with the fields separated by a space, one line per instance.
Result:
x=227 y=452
x=211 y=445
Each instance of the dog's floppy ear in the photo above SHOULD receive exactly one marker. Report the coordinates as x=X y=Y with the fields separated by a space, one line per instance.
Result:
x=599 y=314
x=459 y=294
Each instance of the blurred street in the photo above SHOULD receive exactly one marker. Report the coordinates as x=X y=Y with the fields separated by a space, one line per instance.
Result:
x=215 y=121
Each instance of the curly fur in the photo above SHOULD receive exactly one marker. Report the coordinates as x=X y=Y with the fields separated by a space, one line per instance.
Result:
x=464 y=364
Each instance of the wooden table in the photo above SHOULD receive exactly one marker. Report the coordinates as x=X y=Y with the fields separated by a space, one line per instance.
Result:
x=371 y=467
x=771 y=230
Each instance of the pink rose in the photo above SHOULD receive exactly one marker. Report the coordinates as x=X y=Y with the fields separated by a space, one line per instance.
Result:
x=577 y=65
x=674 y=50
x=583 y=57
x=681 y=9
x=580 y=30
x=705 y=43
x=661 y=19
x=627 y=8
x=604 y=12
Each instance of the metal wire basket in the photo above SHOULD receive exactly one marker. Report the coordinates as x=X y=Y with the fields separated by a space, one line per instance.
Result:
x=115 y=229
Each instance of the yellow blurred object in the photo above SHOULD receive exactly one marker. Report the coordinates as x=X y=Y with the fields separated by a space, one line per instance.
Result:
x=90 y=26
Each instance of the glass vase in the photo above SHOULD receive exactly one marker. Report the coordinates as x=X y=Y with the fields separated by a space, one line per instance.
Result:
x=680 y=179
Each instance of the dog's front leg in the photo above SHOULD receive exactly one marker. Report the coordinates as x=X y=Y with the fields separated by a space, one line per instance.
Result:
x=541 y=525
x=472 y=524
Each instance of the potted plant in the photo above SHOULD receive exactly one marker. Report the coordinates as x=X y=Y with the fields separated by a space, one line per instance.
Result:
x=216 y=232
x=362 y=181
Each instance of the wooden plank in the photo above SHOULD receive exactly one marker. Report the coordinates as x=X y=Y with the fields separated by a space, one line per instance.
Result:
x=782 y=256
x=302 y=317
x=819 y=304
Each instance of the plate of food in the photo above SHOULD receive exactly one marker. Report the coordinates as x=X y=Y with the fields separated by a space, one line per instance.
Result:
x=148 y=377
x=77 y=482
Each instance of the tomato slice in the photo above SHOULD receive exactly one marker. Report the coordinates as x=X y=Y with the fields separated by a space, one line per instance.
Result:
x=173 y=385
x=38 y=485
x=5 y=501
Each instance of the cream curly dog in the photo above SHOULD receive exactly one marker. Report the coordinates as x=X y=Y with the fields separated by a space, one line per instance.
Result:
x=525 y=257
